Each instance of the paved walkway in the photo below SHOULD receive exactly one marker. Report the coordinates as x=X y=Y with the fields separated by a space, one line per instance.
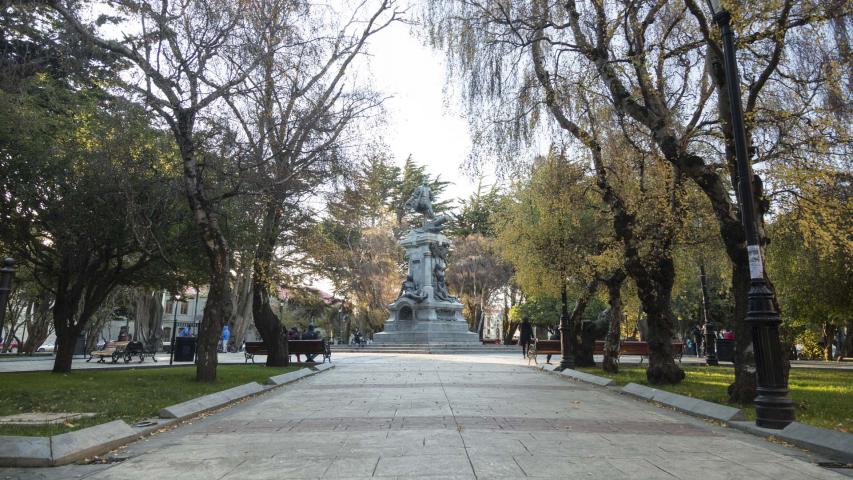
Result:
x=457 y=417
x=45 y=363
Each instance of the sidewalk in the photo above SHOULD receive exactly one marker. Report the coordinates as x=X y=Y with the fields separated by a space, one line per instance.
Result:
x=462 y=417
x=32 y=364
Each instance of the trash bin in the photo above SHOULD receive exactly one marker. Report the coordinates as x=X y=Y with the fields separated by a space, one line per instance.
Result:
x=185 y=349
x=80 y=346
x=726 y=350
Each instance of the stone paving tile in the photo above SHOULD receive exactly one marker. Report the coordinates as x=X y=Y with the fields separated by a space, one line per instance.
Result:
x=639 y=469
x=495 y=466
x=291 y=468
x=151 y=466
x=424 y=466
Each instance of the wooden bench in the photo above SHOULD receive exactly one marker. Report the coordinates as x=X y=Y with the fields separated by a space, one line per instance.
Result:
x=294 y=347
x=543 y=347
x=137 y=349
x=114 y=350
x=634 y=347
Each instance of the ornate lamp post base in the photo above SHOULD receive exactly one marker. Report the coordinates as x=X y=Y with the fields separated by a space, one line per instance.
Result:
x=773 y=408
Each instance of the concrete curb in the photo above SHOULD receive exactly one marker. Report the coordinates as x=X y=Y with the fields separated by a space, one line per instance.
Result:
x=323 y=367
x=577 y=375
x=72 y=446
x=587 y=377
x=830 y=443
x=69 y=447
x=290 y=377
x=692 y=406
x=193 y=407
x=18 y=451
x=833 y=444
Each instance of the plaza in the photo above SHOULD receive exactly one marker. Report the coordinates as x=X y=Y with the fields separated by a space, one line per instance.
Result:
x=445 y=416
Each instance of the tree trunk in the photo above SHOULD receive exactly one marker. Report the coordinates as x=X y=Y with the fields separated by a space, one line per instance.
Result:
x=220 y=303
x=267 y=323
x=242 y=316
x=38 y=325
x=480 y=316
x=654 y=288
x=583 y=353
x=67 y=332
x=216 y=311
x=148 y=313
x=611 y=340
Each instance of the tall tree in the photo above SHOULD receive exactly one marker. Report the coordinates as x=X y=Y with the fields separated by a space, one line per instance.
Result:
x=294 y=121
x=187 y=56
x=90 y=204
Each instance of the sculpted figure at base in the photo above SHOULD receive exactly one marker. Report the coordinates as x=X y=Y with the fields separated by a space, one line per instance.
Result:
x=410 y=290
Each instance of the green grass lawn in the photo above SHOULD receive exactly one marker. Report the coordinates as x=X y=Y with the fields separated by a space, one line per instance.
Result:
x=822 y=397
x=130 y=395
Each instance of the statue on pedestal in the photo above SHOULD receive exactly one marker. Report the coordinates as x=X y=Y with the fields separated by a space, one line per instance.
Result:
x=424 y=311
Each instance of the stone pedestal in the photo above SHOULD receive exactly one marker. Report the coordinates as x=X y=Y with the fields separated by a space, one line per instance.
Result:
x=417 y=316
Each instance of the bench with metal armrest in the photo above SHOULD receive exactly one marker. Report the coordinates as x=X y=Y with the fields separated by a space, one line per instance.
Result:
x=294 y=347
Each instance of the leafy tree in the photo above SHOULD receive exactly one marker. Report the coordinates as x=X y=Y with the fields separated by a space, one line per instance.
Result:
x=90 y=201
x=186 y=57
x=476 y=272
x=813 y=286
x=477 y=214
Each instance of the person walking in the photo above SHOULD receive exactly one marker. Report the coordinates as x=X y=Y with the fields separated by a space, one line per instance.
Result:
x=553 y=334
x=526 y=336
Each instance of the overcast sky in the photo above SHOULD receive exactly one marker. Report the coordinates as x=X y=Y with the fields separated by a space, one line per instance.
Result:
x=422 y=121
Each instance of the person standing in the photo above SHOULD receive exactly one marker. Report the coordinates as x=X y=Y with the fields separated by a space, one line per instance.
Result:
x=226 y=335
x=697 y=338
x=526 y=336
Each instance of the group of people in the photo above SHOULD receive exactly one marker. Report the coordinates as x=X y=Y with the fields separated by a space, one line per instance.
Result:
x=695 y=340
x=309 y=334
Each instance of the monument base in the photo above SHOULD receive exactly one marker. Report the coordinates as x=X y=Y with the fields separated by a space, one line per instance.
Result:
x=426 y=332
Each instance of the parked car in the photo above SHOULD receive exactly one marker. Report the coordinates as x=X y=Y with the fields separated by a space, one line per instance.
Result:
x=46 y=347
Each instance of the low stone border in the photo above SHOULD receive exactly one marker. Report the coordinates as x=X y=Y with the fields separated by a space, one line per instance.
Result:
x=578 y=375
x=289 y=377
x=588 y=377
x=692 y=406
x=18 y=451
x=193 y=407
x=832 y=443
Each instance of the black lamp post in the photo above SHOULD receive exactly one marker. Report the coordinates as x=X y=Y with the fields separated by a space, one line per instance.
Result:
x=175 y=299
x=567 y=360
x=773 y=408
x=710 y=337
x=6 y=275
